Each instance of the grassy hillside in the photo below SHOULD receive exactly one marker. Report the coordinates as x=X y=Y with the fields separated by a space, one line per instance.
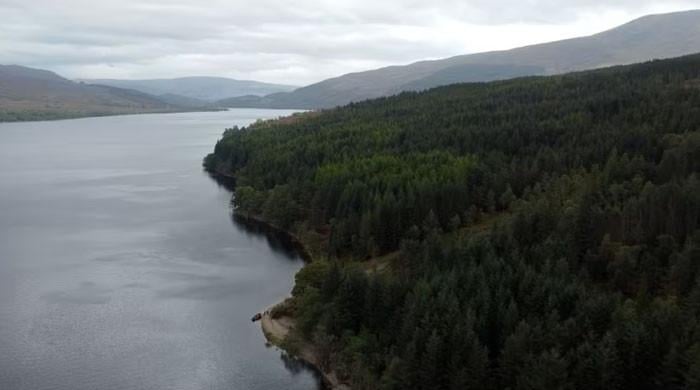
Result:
x=541 y=233
x=644 y=39
x=33 y=94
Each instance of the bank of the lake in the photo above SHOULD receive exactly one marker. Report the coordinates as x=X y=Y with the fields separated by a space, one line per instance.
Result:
x=51 y=116
x=277 y=328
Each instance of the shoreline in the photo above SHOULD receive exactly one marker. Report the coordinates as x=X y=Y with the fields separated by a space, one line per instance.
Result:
x=290 y=237
x=277 y=330
x=228 y=181
x=107 y=115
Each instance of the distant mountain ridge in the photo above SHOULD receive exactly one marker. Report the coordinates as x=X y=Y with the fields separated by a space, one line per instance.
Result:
x=204 y=89
x=32 y=94
x=650 y=37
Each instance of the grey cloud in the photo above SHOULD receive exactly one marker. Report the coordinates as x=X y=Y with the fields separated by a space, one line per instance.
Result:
x=282 y=41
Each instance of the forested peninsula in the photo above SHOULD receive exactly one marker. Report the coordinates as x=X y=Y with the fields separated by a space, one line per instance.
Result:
x=538 y=233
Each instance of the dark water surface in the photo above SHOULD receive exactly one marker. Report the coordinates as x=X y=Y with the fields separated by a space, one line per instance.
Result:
x=120 y=267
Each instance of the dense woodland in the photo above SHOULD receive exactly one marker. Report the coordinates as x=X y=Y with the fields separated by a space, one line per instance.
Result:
x=19 y=116
x=539 y=233
x=57 y=114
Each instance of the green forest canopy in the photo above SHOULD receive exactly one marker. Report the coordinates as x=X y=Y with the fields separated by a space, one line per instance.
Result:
x=544 y=231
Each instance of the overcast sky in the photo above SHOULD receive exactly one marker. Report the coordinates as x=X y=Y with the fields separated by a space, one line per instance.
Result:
x=286 y=41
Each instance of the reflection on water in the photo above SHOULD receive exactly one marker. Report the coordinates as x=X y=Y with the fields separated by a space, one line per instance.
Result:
x=297 y=366
x=228 y=183
x=276 y=240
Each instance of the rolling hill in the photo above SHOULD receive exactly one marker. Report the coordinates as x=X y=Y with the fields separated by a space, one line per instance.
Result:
x=205 y=89
x=650 y=37
x=33 y=94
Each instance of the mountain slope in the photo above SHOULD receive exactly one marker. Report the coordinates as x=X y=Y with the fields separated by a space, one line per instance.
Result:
x=29 y=94
x=208 y=89
x=184 y=101
x=650 y=37
x=536 y=233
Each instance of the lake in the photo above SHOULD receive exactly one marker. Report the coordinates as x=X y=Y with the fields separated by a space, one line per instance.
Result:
x=120 y=265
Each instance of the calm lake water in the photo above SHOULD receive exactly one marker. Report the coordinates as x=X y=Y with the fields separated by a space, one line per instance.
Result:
x=120 y=266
